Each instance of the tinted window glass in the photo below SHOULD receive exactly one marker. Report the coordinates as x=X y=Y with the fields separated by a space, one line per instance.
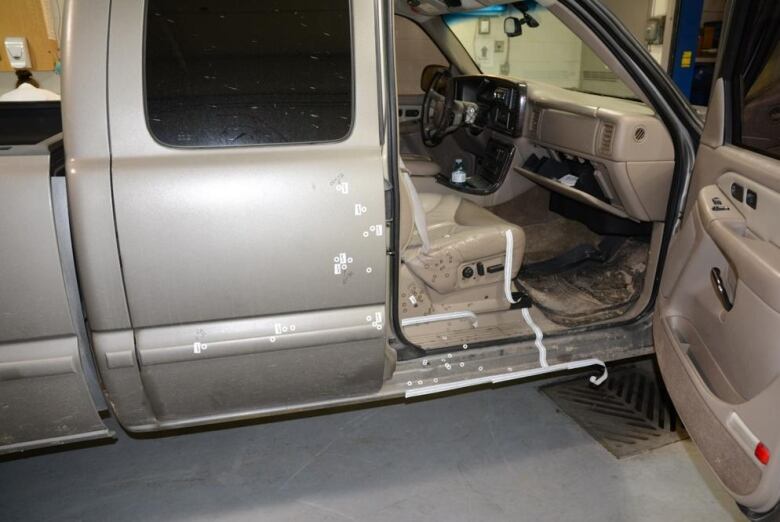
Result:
x=758 y=87
x=26 y=123
x=761 y=110
x=223 y=73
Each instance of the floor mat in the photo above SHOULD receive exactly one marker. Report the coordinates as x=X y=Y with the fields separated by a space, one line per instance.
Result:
x=530 y=207
x=547 y=240
x=628 y=414
x=578 y=255
x=591 y=291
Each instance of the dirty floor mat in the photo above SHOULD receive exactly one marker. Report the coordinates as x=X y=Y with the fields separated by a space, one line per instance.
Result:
x=590 y=291
x=548 y=240
x=530 y=207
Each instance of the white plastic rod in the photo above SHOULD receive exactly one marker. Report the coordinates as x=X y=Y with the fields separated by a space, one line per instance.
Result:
x=446 y=316
x=539 y=336
x=510 y=246
x=511 y=376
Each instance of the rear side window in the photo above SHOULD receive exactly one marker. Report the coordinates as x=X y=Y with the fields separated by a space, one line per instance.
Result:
x=758 y=85
x=222 y=73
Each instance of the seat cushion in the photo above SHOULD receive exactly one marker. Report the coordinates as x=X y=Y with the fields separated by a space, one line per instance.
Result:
x=460 y=233
x=419 y=165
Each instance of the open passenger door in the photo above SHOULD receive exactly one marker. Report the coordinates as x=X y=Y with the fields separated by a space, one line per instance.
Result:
x=717 y=317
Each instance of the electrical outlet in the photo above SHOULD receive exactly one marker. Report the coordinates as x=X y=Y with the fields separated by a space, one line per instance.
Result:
x=499 y=46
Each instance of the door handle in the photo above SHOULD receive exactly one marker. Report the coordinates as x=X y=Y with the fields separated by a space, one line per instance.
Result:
x=720 y=289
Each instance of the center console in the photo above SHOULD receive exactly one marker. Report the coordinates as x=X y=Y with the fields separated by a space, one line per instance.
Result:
x=491 y=169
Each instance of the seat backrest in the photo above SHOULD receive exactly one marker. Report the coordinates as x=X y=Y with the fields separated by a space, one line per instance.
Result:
x=412 y=212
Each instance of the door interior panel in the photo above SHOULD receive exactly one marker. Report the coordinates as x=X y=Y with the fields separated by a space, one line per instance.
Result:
x=735 y=467
x=717 y=320
x=717 y=349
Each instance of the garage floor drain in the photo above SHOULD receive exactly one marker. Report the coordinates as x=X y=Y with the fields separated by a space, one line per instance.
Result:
x=628 y=414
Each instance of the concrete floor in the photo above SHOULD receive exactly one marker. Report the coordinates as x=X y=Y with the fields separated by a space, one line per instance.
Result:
x=493 y=454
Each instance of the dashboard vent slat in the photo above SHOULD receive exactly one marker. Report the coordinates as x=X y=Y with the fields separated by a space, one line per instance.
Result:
x=607 y=134
x=534 y=123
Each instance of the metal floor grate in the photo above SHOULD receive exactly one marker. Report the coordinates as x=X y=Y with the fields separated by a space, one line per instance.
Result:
x=628 y=414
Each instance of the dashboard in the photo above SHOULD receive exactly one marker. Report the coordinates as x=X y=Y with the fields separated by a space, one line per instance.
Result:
x=612 y=154
x=502 y=102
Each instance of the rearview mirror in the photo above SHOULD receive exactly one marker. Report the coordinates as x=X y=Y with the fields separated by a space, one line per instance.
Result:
x=513 y=26
x=428 y=74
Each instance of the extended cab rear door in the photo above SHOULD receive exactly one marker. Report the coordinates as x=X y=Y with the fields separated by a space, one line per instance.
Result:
x=248 y=191
x=717 y=318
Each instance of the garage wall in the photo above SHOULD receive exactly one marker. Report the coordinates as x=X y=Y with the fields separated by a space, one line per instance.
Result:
x=37 y=20
x=551 y=53
x=595 y=75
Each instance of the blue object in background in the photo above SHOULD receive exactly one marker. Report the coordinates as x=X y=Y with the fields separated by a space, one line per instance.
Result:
x=686 y=42
x=493 y=10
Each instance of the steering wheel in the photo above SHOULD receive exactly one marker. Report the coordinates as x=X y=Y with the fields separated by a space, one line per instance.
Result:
x=437 y=109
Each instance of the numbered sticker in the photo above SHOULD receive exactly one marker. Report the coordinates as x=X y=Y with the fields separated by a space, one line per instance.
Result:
x=341 y=263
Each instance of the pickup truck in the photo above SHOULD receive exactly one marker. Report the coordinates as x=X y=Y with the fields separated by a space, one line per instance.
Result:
x=253 y=208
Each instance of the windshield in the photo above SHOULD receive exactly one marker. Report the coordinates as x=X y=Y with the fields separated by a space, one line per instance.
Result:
x=549 y=53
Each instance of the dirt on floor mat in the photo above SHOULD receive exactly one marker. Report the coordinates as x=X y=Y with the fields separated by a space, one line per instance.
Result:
x=530 y=207
x=545 y=241
x=591 y=291
x=629 y=414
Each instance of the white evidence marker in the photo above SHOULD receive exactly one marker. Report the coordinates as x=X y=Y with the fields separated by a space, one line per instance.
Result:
x=341 y=262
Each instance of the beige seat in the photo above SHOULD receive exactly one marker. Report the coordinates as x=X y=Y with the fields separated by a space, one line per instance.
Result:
x=453 y=254
x=420 y=165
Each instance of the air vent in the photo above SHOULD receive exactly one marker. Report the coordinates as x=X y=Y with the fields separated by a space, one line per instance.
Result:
x=533 y=125
x=607 y=133
x=640 y=133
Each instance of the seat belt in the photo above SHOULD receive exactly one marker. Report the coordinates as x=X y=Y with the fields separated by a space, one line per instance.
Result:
x=418 y=211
